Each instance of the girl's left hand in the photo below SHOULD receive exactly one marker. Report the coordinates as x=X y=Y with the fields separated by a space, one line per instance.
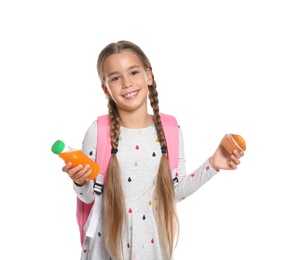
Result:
x=222 y=160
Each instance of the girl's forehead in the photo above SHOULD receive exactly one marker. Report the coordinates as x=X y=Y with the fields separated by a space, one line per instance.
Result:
x=122 y=59
x=124 y=55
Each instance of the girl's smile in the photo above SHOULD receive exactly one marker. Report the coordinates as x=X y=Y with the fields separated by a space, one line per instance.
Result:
x=130 y=95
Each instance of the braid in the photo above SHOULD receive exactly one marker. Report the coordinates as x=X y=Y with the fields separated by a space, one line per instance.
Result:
x=154 y=101
x=114 y=123
x=114 y=205
x=167 y=218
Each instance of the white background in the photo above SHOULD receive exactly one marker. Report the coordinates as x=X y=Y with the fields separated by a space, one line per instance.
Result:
x=221 y=67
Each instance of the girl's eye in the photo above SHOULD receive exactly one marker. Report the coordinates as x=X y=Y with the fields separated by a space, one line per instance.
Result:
x=134 y=72
x=114 y=78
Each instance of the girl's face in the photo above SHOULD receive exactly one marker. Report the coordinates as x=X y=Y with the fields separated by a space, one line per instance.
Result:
x=126 y=81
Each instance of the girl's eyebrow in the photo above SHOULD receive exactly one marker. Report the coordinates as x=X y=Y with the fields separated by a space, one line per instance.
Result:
x=112 y=73
x=129 y=68
x=133 y=67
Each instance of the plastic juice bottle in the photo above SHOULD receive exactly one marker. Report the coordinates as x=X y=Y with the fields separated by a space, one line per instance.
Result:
x=76 y=157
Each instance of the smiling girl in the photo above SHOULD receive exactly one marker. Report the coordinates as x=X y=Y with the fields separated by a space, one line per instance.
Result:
x=139 y=218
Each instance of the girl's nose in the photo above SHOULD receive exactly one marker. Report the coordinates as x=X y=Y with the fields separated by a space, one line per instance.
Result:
x=126 y=83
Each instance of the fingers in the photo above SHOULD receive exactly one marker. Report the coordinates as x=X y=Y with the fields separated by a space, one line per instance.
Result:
x=235 y=159
x=238 y=153
x=67 y=167
x=79 y=173
x=233 y=165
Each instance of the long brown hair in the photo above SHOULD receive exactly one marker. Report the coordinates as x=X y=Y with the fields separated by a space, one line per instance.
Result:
x=114 y=205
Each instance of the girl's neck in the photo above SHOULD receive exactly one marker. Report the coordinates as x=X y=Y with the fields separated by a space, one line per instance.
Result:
x=135 y=120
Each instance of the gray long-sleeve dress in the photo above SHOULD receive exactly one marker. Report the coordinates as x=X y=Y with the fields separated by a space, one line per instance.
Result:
x=139 y=157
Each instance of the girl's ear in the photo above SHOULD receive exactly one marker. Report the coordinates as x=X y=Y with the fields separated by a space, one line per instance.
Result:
x=105 y=90
x=150 y=77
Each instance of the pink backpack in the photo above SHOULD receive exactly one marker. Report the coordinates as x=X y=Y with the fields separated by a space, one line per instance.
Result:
x=103 y=153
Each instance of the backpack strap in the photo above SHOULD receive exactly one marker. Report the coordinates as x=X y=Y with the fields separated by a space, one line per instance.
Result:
x=82 y=212
x=171 y=132
x=103 y=147
x=103 y=152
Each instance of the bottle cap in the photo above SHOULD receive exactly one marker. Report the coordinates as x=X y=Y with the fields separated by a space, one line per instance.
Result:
x=58 y=147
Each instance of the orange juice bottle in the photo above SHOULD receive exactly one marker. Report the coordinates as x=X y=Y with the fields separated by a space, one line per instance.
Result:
x=76 y=157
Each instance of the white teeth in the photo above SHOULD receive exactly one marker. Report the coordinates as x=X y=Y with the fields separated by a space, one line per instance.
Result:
x=130 y=94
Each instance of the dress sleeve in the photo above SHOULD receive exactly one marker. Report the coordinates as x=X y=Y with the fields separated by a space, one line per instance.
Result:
x=189 y=183
x=85 y=192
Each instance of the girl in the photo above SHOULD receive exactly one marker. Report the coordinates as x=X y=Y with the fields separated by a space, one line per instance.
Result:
x=139 y=219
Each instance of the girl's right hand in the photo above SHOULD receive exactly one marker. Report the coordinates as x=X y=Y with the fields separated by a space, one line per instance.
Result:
x=78 y=174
